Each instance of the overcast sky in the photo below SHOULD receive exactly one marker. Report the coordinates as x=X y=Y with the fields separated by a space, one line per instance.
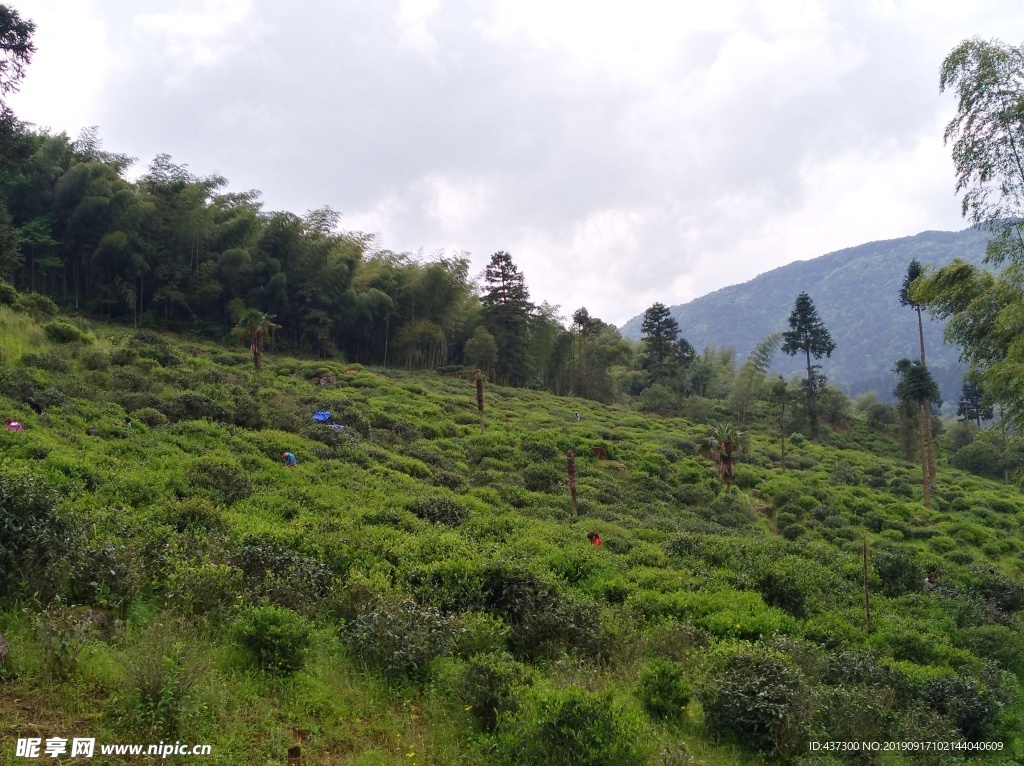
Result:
x=622 y=152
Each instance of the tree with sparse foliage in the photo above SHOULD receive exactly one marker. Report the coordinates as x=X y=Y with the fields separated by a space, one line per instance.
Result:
x=255 y=327
x=780 y=396
x=914 y=271
x=972 y=404
x=916 y=387
x=987 y=133
x=722 y=445
x=808 y=334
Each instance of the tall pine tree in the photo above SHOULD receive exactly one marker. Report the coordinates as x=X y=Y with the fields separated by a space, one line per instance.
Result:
x=808 y=334
x=506 y=315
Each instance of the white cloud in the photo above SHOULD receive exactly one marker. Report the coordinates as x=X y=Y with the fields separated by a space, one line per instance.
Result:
x=623 y=153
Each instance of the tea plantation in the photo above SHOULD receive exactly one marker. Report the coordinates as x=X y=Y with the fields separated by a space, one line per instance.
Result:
x=416 y=592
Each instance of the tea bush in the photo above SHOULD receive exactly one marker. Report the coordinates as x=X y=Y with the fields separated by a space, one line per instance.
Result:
x=662 y=688
x=400 y=638
x=755 y=695
x=441 y=510
x=571 y=727
x=63 y=332
x=150 y=416
x=36 y=539
x=225 y=480
x=203 y=589
x=490 y=686
x=276 y=638
x=540 y=615
x=898 y=571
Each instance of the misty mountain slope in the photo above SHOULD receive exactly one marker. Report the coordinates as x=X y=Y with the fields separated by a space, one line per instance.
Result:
x=856 y=292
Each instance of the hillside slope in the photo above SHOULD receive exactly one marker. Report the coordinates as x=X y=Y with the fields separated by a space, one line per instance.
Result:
x=856 y=292
x=416 y=591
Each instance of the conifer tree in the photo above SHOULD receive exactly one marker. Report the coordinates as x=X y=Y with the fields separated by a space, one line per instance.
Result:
x=506 y=314
x=916 y=387
x=808 y=334
x=659 y=332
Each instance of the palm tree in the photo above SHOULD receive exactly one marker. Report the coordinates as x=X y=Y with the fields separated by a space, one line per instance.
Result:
x=918 y=387
x=255 y=327
x=722 y=444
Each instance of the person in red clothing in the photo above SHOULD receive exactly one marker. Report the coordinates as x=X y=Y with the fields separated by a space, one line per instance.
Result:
x=13 y=425
x=595 y=539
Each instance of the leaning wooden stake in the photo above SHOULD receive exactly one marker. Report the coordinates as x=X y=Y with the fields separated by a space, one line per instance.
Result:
x=570 y=467
x=867 y=595
x=479 y=378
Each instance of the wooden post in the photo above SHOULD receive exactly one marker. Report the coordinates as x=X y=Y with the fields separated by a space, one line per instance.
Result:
x=479 y=378
x=867 y=595
x=570 y=467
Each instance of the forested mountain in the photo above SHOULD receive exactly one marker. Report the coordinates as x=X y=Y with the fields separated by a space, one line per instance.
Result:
x=856 y=292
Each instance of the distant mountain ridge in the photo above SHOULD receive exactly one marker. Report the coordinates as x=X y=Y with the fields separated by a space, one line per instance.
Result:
x=856 y=292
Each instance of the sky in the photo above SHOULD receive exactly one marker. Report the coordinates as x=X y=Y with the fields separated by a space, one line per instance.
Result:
x=622 y=152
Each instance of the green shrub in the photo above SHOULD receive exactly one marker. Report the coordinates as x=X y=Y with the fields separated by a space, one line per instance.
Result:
x=228 y=481
x=400 y=638
x=571 y=727
x=122 y=357
x=441 y=510
x=9 y=295
x=285 y=577
x=480 y=633
x=161 y=671
x=662 y=688
x=898 y=571
x=36 y=540
x=46 y=361
x=149 y=345
x=150 y=416
x=541 y=478
x=757 y=696
x=541 y=616
x=63 y=332
x=39 y=306
x=999 y=643
x=844 y=474
x=972 y=704
x=203 y=589
x=276 y=638
x=107 y=573
x=490 y=686
x=94 y=359
x=979 y=458
x=127 y=379
x=192 y=406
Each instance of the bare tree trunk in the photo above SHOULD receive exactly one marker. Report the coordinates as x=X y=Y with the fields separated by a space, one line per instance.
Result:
x=924 y=457
x=570 y=467
x=867 y=595
x=812 y=402
x=928 y=407
x=479 y=378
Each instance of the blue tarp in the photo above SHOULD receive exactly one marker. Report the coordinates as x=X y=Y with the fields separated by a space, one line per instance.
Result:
x=321 y=417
